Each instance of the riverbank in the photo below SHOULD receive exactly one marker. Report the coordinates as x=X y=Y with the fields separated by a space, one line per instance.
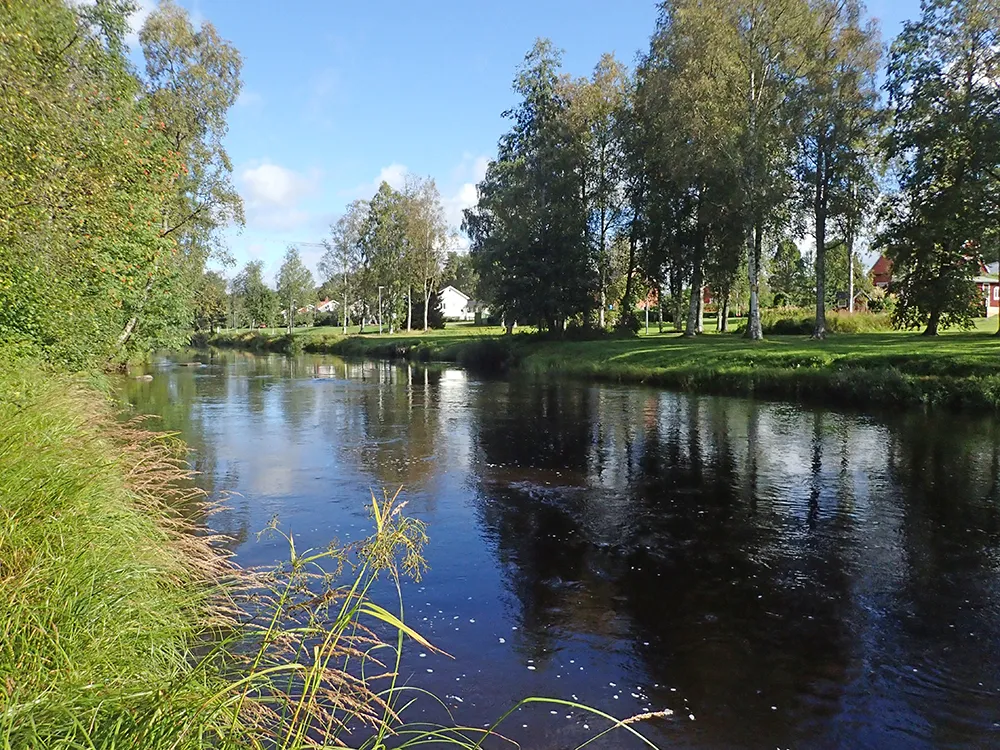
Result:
x=105 y=589
x=955 y=370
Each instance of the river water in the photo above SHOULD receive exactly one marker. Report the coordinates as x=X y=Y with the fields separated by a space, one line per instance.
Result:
x=777 y=576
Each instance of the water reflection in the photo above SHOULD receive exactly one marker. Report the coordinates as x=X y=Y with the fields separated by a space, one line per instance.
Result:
x=787 y=577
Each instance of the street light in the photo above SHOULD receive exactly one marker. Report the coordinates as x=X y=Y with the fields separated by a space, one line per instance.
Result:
x=380 y=309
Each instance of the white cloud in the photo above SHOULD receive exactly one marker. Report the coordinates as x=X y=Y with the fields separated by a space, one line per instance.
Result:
x=479 y=167
x=273 y=195
x=466 y=197
x=249 y=98
x=275 y=186
x=471 y=168
x=394 y=174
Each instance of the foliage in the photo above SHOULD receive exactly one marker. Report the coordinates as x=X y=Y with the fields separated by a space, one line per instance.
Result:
x=945 y=144
x=841 y=115
x=430 y=312
x=459 y=271
x=295 y=286
x=528 y=231
x=89 y=272
x=788 y=276
x=211 y=304
x=794 y=321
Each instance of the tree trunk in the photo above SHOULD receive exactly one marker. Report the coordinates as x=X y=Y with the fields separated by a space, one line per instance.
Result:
x=659 y=306
x=675 y=294
x=129 y=329
x=427 y=304
x=409 y=308
x=754 y=332
x=933 y=323
x=291 y=316
x=722 y=325
x=701 y=309
x=819 y=328
x=850 y=272
x=819 y=214
x=694 y=304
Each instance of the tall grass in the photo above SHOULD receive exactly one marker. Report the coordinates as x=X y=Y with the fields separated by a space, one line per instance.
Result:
x=800 y=321
x=125 y=625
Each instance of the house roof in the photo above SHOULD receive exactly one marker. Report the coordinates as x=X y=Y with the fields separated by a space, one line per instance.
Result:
x=882 y=267
x=457 y=291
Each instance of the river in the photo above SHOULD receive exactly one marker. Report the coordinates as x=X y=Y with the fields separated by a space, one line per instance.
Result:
x=777 y=576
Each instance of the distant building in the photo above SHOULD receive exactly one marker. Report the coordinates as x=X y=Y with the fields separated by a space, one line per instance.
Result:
x=455 y=305
x=326 y=306
x=988 y=281
x=881 y=273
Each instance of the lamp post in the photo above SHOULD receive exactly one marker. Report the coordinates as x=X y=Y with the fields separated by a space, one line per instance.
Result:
x=380 y=288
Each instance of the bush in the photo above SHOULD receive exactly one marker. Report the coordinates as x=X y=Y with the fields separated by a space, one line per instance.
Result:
x=326 y=319
x=800 y=321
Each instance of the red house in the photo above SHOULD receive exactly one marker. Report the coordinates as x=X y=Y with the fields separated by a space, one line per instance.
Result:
x=988 y=282
x=881 y=273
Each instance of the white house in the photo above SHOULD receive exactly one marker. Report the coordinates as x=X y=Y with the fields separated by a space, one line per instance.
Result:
x=455 y=304
x=326 y=306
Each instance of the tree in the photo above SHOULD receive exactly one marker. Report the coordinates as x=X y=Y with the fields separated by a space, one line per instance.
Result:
x=528 y=230
x=459 y=271
x=789 y=277
x=295 y=285
x=342 y=258
x=257 y=302
x=945 y=144
x=841 y=119
x=383 y=243
x=691 y=183
x=427 y=237
x=86 y=176
x=210 y=309
x=769 y=39
x=595 y=110
x=192 y=80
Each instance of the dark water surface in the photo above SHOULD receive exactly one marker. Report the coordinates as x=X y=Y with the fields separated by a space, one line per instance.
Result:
x=777 y=576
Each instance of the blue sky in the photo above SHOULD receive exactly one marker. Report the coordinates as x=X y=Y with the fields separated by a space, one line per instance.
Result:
x=340 y=94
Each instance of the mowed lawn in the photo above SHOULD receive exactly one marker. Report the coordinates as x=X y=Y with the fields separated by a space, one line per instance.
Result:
x=952 y=354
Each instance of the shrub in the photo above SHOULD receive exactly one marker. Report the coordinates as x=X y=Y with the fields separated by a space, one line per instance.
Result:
x=800 y=321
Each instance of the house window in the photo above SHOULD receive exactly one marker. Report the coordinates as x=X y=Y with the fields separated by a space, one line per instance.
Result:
x=996 y=292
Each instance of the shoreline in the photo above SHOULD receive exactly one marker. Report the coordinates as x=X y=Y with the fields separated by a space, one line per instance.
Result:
x=957 y=371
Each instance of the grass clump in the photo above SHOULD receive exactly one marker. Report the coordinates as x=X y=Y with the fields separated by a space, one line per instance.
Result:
x=100 y=580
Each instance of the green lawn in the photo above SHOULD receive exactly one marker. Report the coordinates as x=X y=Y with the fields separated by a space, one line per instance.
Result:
x=960 y=369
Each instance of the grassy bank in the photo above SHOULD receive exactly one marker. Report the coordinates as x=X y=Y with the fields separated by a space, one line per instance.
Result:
x=957 y=370
x=102 y=585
